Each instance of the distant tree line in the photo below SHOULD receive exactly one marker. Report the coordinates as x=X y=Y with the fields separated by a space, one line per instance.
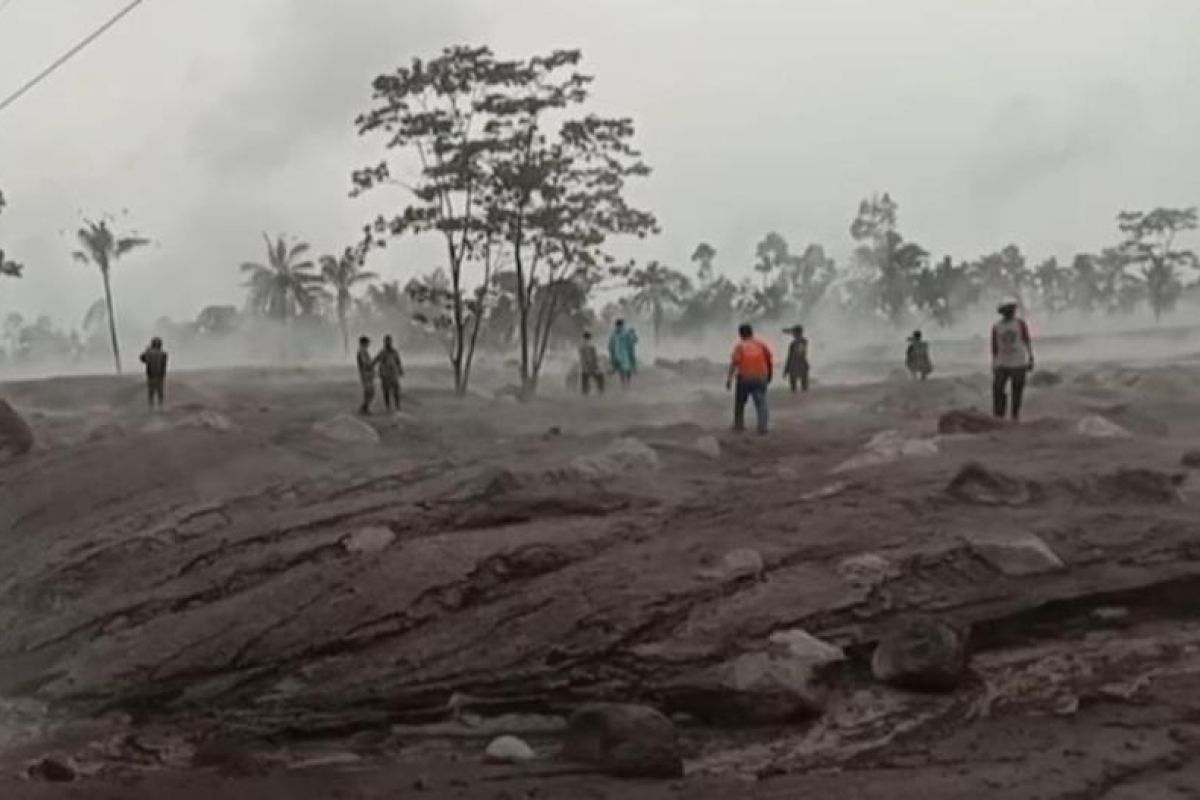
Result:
x=525 y=189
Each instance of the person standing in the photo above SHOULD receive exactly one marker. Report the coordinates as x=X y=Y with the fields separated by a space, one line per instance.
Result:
x=155 y=359
x=589 y=366
x=796 y=368
x=916 y=357
x=622 y=352
x=1012 y=360
x=390 y=371
x=753 y=370
x=366 y=374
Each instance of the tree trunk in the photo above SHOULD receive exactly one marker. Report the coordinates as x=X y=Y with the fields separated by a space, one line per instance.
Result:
x=658 y=321
x=112 y=320
x=345 y=330
x=522 y=317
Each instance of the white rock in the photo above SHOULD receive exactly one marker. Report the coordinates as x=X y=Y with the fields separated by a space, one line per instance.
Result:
x=622 y=457
x=825 y=492
x=348 y=429
x=801 y=644
x=1100 y=428
x=369 y=540
x=709 y=446
x=1016 y=553
x=209 y=420
x=886 y=447
x=866 y=571
x=509 y=750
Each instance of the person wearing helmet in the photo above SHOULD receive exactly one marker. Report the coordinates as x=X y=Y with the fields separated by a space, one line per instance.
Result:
x=155 y=359
x=796 y=366
x=1012 y=360
x=916 y=357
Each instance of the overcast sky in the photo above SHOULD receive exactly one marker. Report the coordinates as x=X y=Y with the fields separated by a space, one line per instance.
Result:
x=989 y=121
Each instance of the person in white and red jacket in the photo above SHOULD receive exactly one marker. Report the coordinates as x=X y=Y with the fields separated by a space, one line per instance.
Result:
x=1012 y=360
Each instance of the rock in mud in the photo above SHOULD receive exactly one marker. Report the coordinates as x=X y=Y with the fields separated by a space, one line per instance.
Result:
x=801 y=644
x=886 y=447
x=921 y=654
x=347 y=429
x=968 y=420
x=743 y=562
x=1098 y=427
x=866 y=571
x=369 y=540
x=1191 y=459
x=708 y=446
x=977 y=484
x=16 y=437
x=53 y=769
x=1015 y=553
x=509 y=750
x=622 y=457
x=752 y=689
x=1133 y=487
x=627 y=741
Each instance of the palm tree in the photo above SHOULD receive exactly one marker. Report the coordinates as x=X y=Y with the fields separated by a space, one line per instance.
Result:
x=656 y=287
x=285 y=286
x=341 y=275
x=102 y=248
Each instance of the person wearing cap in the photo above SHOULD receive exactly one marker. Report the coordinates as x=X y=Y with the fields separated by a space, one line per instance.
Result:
x=796 y=366
x=1012 y=360
x=366 y=374
x=916 y=357
x=622 y=352
x=155 y=359
x=589 y=366
x=753 y=370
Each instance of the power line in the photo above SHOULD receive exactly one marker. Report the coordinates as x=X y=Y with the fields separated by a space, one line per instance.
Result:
x=67 y=56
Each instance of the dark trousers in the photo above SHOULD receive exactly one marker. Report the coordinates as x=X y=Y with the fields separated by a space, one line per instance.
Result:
x=1001 y=378
x=588 y=378
x=368 y=390
x=391 y=393
x=799 y=377
x=750 y=389
x=155 y=391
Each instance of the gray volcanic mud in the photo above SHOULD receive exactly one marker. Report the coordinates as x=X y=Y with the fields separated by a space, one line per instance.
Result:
x=254 y=594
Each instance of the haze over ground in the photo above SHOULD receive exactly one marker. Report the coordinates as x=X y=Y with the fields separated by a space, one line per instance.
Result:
x=990 y=122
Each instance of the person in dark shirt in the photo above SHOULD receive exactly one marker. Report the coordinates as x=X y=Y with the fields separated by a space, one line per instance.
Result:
x=390 y=370
x=916 y=357
x=155 y=359
x=796 y=367
x=366 y=374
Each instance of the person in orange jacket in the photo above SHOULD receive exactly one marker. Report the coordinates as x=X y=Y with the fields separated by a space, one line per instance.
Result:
x=752 y=368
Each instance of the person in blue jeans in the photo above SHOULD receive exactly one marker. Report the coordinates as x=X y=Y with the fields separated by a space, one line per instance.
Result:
x=753 y=369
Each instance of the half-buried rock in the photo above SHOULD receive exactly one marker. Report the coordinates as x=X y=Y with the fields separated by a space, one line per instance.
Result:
x=347 y=429
x=921 y=654
x=1014 y=553
x=752 y=689
x=16 y=438
x=628 y=741
x=508 y=750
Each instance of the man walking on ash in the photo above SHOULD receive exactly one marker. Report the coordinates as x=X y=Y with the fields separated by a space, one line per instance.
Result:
x=753 y=370
x=1012 y=360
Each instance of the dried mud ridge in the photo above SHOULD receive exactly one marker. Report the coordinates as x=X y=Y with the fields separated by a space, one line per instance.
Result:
x=494 y=592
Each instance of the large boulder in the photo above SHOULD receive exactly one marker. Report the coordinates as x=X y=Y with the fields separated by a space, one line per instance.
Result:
x=922 y=654
x=628 y=741
x=623 y=457
x=754 y=688
x=866 y=570
x=1015 y=553
x=16 y=437
x=886 y=447
x=968 y=420
x=347 y=429
x=981 y=485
